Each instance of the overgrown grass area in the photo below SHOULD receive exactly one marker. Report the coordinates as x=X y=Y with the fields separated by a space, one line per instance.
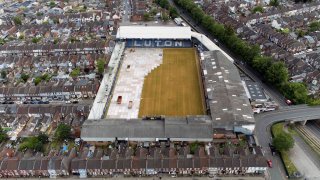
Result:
x=290 y=167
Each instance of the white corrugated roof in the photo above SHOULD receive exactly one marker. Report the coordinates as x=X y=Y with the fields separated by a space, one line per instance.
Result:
x=154 y=32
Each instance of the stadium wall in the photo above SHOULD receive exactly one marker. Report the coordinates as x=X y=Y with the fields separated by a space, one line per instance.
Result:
x=158 y=43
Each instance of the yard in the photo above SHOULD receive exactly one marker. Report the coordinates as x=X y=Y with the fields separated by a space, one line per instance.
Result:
x=173 y=88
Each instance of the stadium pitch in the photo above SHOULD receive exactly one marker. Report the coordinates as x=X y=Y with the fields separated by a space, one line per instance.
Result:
x=173 y=88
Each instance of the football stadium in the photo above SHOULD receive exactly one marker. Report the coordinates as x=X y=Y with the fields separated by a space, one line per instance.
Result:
x=167 y=83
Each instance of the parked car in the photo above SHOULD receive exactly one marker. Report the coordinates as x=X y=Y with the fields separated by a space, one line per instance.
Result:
x=75 y=102
x=288 y=102
x=269 y=163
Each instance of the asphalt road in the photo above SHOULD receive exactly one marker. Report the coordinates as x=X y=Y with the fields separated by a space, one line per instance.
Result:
x=272 y=92
x=127 y=11
x=262 y=131
x=310 y=165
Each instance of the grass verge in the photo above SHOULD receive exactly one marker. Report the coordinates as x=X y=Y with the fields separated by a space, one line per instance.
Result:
x=288 y=164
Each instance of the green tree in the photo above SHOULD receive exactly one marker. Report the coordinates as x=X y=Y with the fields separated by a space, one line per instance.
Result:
x=153 y=11
x=37 y=80
x=261 y=63
x=36 y=39
x=100 y=65
x=146 y=17
x=277 y=74
x=75 y=72
x=43 y=138
x=52 y=4
x=63 y=132
x=257 y=9
x=314 y=26
x=229 y=32
x=55 y=41
x=39 y=14
x=46 y=77
x=35 y=143
x=173 y=12
x=2 y=41
x=164 y=4
x=17 y=20
x=193 y=147
x=296 y=92
x=3 y=74
x=164 y=17
x=24 y=77
x=21 y=36
x=3 y=135
x=283 y=141
x=274 y=3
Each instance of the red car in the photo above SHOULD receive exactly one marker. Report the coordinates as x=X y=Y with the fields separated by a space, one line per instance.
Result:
x=288 y=102
x=269 y=163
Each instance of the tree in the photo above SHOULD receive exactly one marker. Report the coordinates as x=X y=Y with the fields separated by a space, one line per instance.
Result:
x=55 y=41
x=43 y=138
x=173 y=12
x=277 y=74
x=46 y=77
x=164 y=17
x=229 y=31
x=296 y=92
x=257 y=9
x=314 y=26
x=3 y=74
x=274 y=3
x=100 y=65
x=164 y=4
x=63 y=132
x=34 y=143
x=37 y=80
x=261 y=63
x=3 y=135
x=75 y=72
x=36 y=39
x=193 y=147
x=52 y=4
x=146 y=17
x=2 y=41
x=283 y=141
x=153 y=11
x=24 y=77
x=17 y=20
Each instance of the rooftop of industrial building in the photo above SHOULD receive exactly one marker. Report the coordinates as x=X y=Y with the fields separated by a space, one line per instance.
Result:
x=154 y=32
x=225 y=94
x=176 y=128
